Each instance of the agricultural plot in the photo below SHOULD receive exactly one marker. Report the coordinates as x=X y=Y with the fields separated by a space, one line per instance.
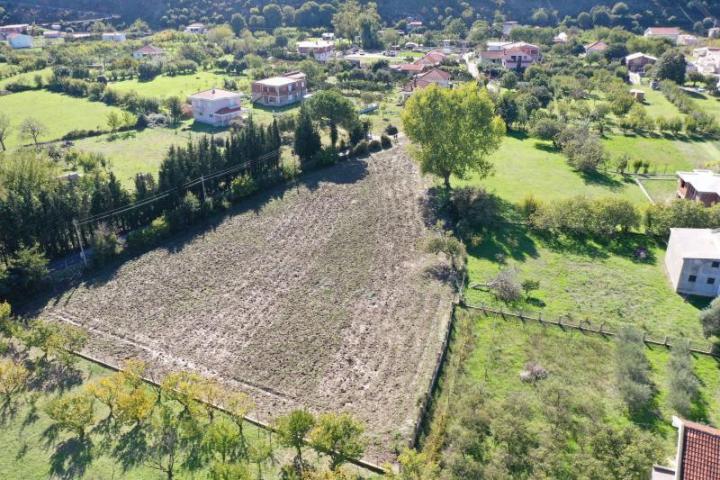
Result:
x=315 y=295
x=59 y=113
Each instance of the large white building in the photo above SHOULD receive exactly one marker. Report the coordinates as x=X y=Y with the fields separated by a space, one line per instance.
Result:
x=216 y=107
x=321 y=50
x=113 y=37
x=692 y=261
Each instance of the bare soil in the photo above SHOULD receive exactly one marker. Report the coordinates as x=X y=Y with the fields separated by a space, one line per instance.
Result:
x=316 y=295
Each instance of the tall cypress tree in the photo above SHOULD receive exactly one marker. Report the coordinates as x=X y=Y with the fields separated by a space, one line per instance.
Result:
x=307 y=138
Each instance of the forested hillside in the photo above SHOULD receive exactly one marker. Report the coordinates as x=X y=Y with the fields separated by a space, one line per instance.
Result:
x=171 y=13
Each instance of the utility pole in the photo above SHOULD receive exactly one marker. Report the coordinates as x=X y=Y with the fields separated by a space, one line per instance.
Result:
x=202 y=179
x=79 y=237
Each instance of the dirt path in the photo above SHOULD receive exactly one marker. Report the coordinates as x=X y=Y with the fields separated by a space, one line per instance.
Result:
x=315 y=295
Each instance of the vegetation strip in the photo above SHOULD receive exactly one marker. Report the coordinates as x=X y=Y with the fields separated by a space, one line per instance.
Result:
x=710 y=351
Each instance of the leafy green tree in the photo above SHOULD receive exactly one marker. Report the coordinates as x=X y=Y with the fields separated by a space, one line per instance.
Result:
x=175 y=108
x=13 y=379
x=221 y=441
x=238 y=23
x=292 y=430
x=73 y=412
x=546 y=129
x=671 y=66
x=710 y=319
x=273 y=15
x=28 y=268
x=455 y=130
x=307 y=138
x=339 y=436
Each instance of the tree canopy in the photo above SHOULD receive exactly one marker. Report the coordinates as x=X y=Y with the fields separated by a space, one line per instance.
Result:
x=455 y=130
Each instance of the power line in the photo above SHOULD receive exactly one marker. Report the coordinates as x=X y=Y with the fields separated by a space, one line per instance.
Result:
x=164 y=194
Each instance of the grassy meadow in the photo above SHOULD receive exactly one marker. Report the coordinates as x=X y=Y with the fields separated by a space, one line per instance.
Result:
x=59 y=113
x=180 y=86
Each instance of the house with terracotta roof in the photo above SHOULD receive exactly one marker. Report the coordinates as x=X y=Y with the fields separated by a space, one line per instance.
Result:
x=698 y=453
x=435 y=76
x=430 y=60
x=216 y=107
x=515 y=55
x=280 y=91
x=148 y=51
x=671 y=33
x=596 y=47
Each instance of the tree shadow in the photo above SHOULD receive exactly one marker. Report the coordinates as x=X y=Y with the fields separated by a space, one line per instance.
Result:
x=546 y=147
x=701 y=303
x=508 y=240
x=52 y=375
x=71 y=458
x=131 y=448
x=601 y=179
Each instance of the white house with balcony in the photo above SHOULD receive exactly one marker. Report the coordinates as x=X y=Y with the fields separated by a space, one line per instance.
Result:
x=216 y=107
x=692 y=261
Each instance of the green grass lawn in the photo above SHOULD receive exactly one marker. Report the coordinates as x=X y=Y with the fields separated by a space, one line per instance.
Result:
x=59 y=113
x=134 y=152
x=661 y=190
x=666 y=154
x=181 y=85
x=28 y=78
x=707 y=102
x=656 y=103
x=584 y=364
x=587 y=281
x=526 y=167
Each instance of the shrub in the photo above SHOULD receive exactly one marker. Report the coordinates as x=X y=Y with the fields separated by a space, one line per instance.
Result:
x=243 y=186
x=475 y=208
x=385 y=142
x=361 y=149
x=391 y=130
x=148 y=237
x=374 y=146
x=684 y=385
x=579 y=216
x=104 y=244
x=660 y=218
x=185 y=213
x=506 y=286
x=632 y=369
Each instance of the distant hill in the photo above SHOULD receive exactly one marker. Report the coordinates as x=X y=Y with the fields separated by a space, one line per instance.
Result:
x=177 y=12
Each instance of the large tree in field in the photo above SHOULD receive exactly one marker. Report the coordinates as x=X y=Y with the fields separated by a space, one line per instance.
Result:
x=455 y=130
x=32 y=129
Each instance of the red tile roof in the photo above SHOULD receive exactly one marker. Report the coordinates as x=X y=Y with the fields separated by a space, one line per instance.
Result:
x=434 y=75
x=411 y=67
x=150 y=50
x=599 y=46
x=663 y=31
x=701 y=453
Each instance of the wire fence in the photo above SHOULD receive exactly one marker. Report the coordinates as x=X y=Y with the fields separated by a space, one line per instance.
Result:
x=584 y=326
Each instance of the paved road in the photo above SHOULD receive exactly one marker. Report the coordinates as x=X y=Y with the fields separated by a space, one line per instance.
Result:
x=471 y=65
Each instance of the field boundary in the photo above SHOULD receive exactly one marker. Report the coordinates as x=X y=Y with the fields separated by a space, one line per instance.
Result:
x=584 y=326
x=253 y=421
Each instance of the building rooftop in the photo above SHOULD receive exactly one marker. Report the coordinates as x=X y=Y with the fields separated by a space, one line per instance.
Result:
x=635 y=55
x=704 y=181
x=214 y=94
x=700 y=243
x=699 y=456
x=314 y=44
x=663 y=31
x=149 y=50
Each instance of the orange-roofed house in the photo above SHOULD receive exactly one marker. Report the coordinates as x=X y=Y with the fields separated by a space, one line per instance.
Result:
x=430 y=60
x=431 y=77
x=698 y=453
x=148 y=51
x=671 y=33
x=216 y=107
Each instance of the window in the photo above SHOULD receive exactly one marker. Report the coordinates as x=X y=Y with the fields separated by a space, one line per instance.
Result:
x=710 y=281
x=715 y=264
x=692 y=278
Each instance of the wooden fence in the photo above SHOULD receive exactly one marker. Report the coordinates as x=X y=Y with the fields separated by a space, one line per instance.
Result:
x=584 y=326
